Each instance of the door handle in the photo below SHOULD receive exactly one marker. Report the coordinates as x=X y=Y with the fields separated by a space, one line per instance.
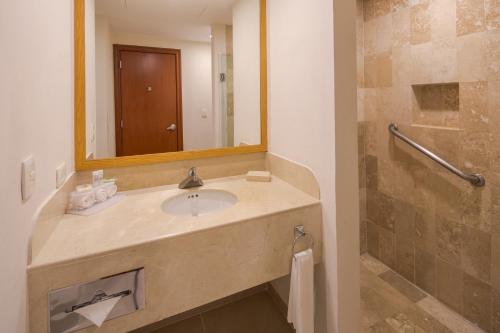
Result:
x=172 y=128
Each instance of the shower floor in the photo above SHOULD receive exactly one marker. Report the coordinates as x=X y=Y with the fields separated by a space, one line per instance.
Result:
x=389 y=304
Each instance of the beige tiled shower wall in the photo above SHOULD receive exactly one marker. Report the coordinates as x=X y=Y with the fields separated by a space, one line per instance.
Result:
x=433 y=67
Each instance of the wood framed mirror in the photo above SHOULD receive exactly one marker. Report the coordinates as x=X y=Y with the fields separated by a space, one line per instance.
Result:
x=159 y=81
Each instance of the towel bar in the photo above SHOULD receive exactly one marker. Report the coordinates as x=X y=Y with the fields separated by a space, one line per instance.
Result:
x=475 y=179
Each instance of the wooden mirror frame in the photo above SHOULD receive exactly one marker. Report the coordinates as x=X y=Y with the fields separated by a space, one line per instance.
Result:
x=81 y=162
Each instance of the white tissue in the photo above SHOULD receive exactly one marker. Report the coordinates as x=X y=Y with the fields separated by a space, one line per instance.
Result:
x=97 y=313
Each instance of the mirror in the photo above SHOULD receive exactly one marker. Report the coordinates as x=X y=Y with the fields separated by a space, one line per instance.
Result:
x=170 y=77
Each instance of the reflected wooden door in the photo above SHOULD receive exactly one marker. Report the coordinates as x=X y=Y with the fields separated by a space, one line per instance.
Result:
x=148 y=100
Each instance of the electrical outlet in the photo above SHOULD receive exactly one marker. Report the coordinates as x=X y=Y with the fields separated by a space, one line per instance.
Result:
x=28 y=178
x=60 y=175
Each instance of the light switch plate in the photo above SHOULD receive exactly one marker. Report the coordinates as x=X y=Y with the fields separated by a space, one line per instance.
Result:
x=60 y=175
x=28 y=178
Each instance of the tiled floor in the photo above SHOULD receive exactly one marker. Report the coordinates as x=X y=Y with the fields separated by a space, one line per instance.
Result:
x=391 y=304
x=254 y=314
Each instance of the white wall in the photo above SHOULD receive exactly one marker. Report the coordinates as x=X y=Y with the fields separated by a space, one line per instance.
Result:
x=36 y=117
x=246 y=56
x=196 y=85
x=90 y=77
x=104 y=86
x=347 y=305
x=302 y=127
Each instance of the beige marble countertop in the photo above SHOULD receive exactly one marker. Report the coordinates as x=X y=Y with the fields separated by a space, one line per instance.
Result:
x=138 y=218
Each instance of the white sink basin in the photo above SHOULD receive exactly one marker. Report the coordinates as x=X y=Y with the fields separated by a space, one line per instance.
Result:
x=200 y=202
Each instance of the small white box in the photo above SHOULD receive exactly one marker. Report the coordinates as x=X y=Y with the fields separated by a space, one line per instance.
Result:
x=258 y=176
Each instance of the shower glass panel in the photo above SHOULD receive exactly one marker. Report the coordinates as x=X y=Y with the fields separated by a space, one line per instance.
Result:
x=432 y=67
x=226 y=99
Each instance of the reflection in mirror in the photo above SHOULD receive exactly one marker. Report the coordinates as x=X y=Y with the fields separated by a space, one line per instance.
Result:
x=165 y=76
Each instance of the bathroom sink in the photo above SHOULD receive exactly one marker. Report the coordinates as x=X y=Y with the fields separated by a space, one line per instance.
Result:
x=200 y=202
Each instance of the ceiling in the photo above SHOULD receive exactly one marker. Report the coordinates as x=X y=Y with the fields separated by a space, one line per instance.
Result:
x=175 y=19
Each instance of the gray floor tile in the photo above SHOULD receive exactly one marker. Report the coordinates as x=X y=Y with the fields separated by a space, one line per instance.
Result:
x=255 y=314
x=191 y=325
x=389 y=304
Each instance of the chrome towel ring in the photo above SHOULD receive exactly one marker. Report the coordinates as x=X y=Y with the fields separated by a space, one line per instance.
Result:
x=299 y=233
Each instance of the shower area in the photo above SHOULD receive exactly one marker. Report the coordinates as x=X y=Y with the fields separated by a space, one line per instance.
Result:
x=226 y=91
x=430 y=236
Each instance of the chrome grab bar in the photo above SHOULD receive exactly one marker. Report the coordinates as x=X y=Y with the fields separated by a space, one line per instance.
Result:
x=475 y=179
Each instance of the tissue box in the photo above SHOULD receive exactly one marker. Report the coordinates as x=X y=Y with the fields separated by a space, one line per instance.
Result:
x=63 y=303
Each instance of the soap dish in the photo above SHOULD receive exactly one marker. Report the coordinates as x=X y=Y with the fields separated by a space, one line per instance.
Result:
x=258 y=176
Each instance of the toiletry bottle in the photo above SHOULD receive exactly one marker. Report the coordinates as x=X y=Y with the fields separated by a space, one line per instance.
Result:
x=97 y=177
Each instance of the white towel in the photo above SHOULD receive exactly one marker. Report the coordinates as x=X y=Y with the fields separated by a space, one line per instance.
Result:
x=301 y=300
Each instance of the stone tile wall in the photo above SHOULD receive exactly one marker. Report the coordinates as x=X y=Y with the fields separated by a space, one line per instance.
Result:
x=433 y=66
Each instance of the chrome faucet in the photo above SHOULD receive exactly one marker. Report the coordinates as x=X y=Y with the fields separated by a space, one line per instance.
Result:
x=192 y=180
